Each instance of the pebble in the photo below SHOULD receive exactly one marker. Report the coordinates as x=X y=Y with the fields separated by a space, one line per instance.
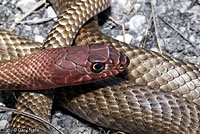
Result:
x=154 y=2
x=27 y=28
x=185 y=5
x=58 y=114
x=198 y=60
x=136 y=23
x=4 y=2
x=139 y=38
x=182 y=29
x=25 y=5
x=50 y=13
x=2 y=105
x=155 y=49
x=192 y=38
x=39 y=38
x=36 y=30
x=126 y=4
x=192 y=59
x=160 y=9
x=13 y=2
x=128 y=38
x=137 y=6
x=3 y=124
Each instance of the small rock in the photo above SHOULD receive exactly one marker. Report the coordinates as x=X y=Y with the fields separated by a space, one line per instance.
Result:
x=36 y=30
x=155 y=49
x=126 y=4
x=198 y=60
x=17 y=17
x=13 y=2
x=180 y=47
x=192 y=39
x=184 y=6
x=182 y=29
x=161 y=9
x=39 y=38
x=136 y=23
x=154 y=2
x=137 y=6
x=128 y=38
x=177 y=55
x=58 y=114
x=2 y=105
x=139 y=38
x=171 y=48
x=50 y=13
x=25 y=5
x=192 y=59
x=4 y=2
x=27 y=28
x=3 y=124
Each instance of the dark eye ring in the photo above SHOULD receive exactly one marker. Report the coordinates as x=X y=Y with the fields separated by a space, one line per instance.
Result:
x=97 y=67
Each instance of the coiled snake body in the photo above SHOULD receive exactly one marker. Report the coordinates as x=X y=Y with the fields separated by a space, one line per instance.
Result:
x=156 y=94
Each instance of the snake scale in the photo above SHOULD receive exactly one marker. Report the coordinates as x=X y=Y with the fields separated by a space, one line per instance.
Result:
x=156 y=93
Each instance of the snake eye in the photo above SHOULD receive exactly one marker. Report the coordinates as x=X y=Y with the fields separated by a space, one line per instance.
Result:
x=97 y=67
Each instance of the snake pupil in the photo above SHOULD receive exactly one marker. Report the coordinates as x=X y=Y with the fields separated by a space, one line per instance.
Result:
x=97 y=67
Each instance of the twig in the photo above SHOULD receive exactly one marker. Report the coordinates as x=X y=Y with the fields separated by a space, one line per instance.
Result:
x=193 y=3
x=131 y=11
x=30 y=116
x=121 y=24
x=177 y=31
x=147 y=32
x=38 y=4
x=155 y=26
x=172 y=2
x=38 y=21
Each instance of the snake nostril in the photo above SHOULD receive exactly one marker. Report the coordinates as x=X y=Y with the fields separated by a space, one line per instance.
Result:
x=121 y=66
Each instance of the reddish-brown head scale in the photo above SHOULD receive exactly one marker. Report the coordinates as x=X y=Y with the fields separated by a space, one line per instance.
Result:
x=86 y=64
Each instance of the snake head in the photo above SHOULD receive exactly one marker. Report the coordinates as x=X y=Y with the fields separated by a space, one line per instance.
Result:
x=85 y=64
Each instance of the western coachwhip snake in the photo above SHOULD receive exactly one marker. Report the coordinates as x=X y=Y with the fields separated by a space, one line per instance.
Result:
x=158 y=94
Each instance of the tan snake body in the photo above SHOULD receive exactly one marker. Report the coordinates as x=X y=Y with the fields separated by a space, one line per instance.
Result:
x=157 y=94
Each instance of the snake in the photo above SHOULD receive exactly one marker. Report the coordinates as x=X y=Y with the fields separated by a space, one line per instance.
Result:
x=155 y=94
x=57 y=67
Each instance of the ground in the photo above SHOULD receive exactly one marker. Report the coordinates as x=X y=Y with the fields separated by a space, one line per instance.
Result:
x=177 y=25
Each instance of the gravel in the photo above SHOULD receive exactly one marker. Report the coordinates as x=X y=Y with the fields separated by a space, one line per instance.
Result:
x=181 y=42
